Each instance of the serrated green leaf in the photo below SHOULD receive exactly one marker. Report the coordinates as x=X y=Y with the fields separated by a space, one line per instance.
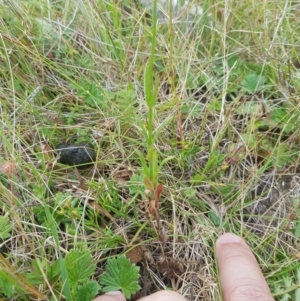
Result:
x=53 y=272
x=79 y=266
x=120 y=275
x=35 y=276
x=253 y=82
x=249 y=107
x=64 y=273
x=5 y=227
x=6 y=284
x=285 y=119
x=87 y=291
x=136 y=185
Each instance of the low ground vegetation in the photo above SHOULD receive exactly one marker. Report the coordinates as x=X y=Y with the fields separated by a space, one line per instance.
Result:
x=195 y=127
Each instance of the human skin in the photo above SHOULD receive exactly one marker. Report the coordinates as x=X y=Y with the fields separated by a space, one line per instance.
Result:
x=240 y=276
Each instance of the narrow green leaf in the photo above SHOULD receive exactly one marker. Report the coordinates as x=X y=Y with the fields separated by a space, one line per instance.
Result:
x=155 y=89
x=164 y=161
x=143 y=163
x=154 y=166
x=161 y=127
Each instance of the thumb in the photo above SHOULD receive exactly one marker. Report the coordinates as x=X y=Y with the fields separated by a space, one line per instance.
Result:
x=111 y=296
x=163 y=296
x=240 y=275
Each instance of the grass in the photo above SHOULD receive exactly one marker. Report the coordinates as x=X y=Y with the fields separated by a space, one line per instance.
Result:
x=206 y=140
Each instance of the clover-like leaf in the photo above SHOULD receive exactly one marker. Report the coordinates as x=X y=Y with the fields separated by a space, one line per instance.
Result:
x=120 y=275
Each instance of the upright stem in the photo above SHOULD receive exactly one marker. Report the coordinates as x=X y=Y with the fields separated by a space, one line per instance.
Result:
x=150 y=142
x=151 y=66
x=151 y=102
x=150 y=127
x=172 y=77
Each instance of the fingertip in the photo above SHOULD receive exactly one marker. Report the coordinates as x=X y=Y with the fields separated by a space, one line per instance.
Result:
x=163 y=296
x=230 y=244
x=228 y=238
x=240 y=275
x=111 y=296
x=113 y=293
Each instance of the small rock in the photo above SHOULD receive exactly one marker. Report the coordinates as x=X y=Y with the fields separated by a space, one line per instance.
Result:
x=81 y=154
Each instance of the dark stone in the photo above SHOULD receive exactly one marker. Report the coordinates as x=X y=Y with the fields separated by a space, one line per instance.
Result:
x=81 y=154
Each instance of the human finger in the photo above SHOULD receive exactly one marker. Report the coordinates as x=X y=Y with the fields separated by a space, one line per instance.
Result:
x=163 y=296
x=240 y=275
x=111 y=296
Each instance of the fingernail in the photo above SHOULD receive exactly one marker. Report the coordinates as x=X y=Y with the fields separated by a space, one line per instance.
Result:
x=229 y=238
x=113 y=293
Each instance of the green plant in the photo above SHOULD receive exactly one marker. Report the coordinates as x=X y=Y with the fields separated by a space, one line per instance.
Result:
x=14 y=283
x=5 y=228
x=150 y=92
x=121 y=275
x=66 y=209
x=286 y=284
x=194 y=116
x=79 y=270
x=81 y=267
x=91 y=94
x=63 y=269
x=151 y=169
x=243 y=76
